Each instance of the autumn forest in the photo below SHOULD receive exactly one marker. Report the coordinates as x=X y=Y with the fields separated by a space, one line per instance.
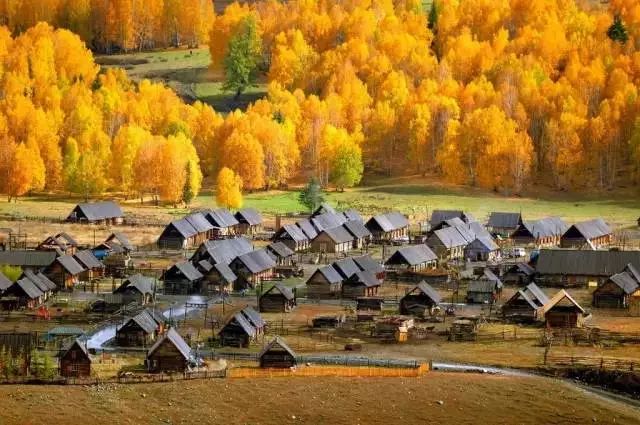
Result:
x=488 y=93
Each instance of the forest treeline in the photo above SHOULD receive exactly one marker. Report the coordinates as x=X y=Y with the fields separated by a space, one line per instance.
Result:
x=495 y=93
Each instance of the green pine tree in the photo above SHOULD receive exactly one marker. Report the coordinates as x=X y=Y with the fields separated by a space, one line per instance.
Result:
x=243 y=57
x=617 y=31
x=433 y=16
x=187 y=190
x=311 y=196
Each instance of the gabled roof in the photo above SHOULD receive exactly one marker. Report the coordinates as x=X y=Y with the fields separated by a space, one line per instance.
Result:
x=521 y=294
x=277 y=343
x=438 y=216
x=590 y=229
x=253 y=317
x=546 y=227
x=486 y=242
x=585 y=263
x=176 y=340
x=633 y=271
x=75 y=343
x=454 y=221
x=199 y=222
x=307 y=228
x=536 y=294
x=366 y=277
x=412 y=255
x=41 y=281
x=557 y=298
x=286 y=292
x=121 y=238
x=338 y=234
x=489 y=275
x=294 y=232
x=466 y=233
x=626 y=282
x=521 y=267
x=221 y=218
x=29 y=288
x=505 y=220
x=250 y=216
x=140 y=283
x=388 y=222
x=204 y=266
x=183 y=227
x=322 y=209
x=450 y=237
x=70 y=264
x=27 y=258
x=100 y=210
x=426 y=289
x=353 y=215
x=145 y=320
x=242 y=321
x=328 y=221
x=280 y=250
x=225 y=272
x=226 y=250
x=188 y=270
x=329 y=273
x=66 y=239
x=365 y=262
x=5 y=283
x=357 y=229
x=88 y=260
x=256 y=261
x=346 y=267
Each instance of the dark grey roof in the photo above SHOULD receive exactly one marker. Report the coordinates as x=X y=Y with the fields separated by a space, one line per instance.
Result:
x=226 y=250
x=535 y=293
x=455 y=221
x=322 y=209
x=250 y=216
x=27 y=258
x=328 y=220
x=450 y=237
x=280 y=249
x=44 y=285
x=412 y=255
x=286 y=292
x=87 y=259
x=100 y=210
x=142 y=284
x=221 y=218
x=256 y=261
x=277 y=342
x=467 y=234
x=204 y=266
x=294 y=232
x=184 y=228
x=307 y=228
x=365 y=262
x=66 y=238
x=199 y=222
x=253 y=316
x=489 y=275
x=485 y=242
x=176 y=340
x=591 y=229
x=478 y=230
x=70 y=264
x=482 y=286
x=586 y=263
x=353 y=215
x=428 y=290
x=338 y=234
x=626 y=282
x=225 y=272
x=545 y=227
x=243 y=322
x=357 y=229
x=346 y=267
x=505 y=220
x=29 y=288
x=121 y=238
x=633 y=271
x=438 y=216
x=366 y=277
x=188 y=270
x=329 y=273
x=388 y=222
x=145 y=320
x=5 y=283
x=521 y=267
x=75 y=343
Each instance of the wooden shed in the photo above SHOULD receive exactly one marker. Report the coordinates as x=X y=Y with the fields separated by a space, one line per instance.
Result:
x=332 y=241
x=252 y=268
x=93 y=268
x=361 y=235
x=482 y=248
x=361 y=284
x=504 y=223
x=277 y=299
x=413 y=258
x=141 y=330
x=618 y=289
x=325 y=282
x=137 y=288
x=237 y=332
x=389 y=226
x=292 y=236
x=182 y=278
x=562 y=311
x=170 y=353
x=519 y=274
x=62 y=243
x=217 y=277
x=65 y=271
x=249 y=221
x=482 y=291
x=224 y=223
x=525 y=305
x=75 y=360
x=590 y=234
x=179 y=234
x=106 y=212
x=420 y=300
x=277 y=355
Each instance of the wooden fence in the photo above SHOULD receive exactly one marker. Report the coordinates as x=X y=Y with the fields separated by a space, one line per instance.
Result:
x=601 y=363
x=318 y=371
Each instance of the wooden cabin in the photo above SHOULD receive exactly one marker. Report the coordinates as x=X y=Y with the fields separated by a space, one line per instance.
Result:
x=106 y=212
x=365 y=262
x=141 y=330
x=204 y=229
x=361 y=235
x=217 y=277
x=249 y=221
x=328 y=220
x=335 y=240
x=448 y=243
x=618 y=289
x=420 y=300
x=277 y=299
x=440 y=216
x=43 y=283
x=293 y=237
x=23 y=293
x=545 y=232
x=281 y=253
x=65 y=271
x=93 y=268
x=525 y=305
x=413 y=258
x=482 y=291
x=388 y=227
x=482 y=248
x=562 y=311
x=75 y=361
x=277 y=355
x=252 y=268
x=62 y=243
x=137 y=288
x=590 y=234
x=179 y=234
x=308 y=229
x=224 y=223
x=237 y=332
x=222 y=250
x=324 y=283
x=360 y=284
x=504 y=223
x=182 y=279
x=170 y=353
x=519 y=274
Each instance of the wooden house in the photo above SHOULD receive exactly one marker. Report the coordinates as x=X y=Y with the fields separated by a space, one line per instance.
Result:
x=277 y=355
x=61 y=243
x=43 y=283
x=23 y=293
x=106 y=212
x=179 y=234
x=618 y=289
x=482 y=291
x=347 y=267
x=141 y=330
x=562 y=311
x=365 y=262
x=93 y=268
x=137 y=288
x=482 y=248
x=335 y=240
x=292 y=236
x=440 y=216
x=591 y=234
x=545 y=232
x=170 y=353
x=252 y=268
x=308 y=229
x=222 y=250
x=448 y=243
x=420 y=300
x=413 y=258
x=224 y=223
x=249 y=221
x=75 y=361
x=65 y=271
x=526 y=304
x=563 y=267
x=360 y=284
x=204 y=229
x=277 y=299
x=182 y=278
x=281 y=254
x=116 y=244
x=361 y=235
x=217 y=277
x=504 y=223
x=325 y=282
x=518 y=274
x=389 y=226
x=237 y=332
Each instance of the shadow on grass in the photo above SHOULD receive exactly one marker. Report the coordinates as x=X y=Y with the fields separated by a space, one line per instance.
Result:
x=224 y=102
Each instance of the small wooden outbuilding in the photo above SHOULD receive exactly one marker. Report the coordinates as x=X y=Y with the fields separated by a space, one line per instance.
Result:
x=360 y=284
x=332 y=241
x=482 y=291
x=277 y=355
x=140 y=330
x=325 y=282
x=293 y=237
x=562 y=311
x=75 y=360
x=237 y=332
x=420 y=300
x=170 y=353
x=519 y=274
x=107 y=212
x=137 y=288
x=182 y=278
x=618 y=289
x=526 y=304
x=277 y=299
x=249 y=221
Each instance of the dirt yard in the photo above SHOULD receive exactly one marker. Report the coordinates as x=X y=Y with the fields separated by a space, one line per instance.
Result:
x=435 y=398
